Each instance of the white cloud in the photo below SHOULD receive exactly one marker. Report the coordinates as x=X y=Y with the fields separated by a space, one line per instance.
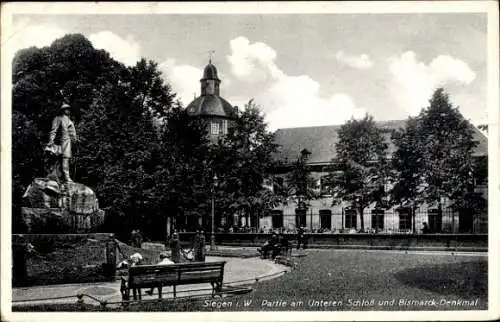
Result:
x=252 y=62
x=126 y=51
x=26 y=35
x=288 y=101
x=362 y=61
x=183 y=79
x=414 y=81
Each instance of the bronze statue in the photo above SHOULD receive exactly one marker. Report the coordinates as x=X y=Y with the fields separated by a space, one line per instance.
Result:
x=67 y=137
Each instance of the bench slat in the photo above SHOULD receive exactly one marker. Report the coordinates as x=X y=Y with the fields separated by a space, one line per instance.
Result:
x=177 y=274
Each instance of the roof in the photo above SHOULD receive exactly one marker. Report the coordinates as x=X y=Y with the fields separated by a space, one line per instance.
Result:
x=210 y=105
x=210 y=72
x=321 y=140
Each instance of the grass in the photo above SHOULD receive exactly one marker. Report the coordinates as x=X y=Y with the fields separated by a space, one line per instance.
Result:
x=354 y=280
x=79 y=262
x=66 y=263
x=377 y=277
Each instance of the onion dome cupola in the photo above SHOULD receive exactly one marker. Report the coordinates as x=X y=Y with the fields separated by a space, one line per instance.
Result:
x=210 y=105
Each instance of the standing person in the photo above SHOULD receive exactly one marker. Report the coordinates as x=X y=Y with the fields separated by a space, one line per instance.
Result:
x=300 y=237
x=425 y=228
x=68 y=135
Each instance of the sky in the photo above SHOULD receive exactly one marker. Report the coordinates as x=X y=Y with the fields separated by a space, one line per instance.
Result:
x=301 y=69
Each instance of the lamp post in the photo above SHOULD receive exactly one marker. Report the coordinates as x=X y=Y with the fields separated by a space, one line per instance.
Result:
x=212 y=237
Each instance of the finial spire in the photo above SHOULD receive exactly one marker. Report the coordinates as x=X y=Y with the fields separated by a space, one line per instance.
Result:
x=210 y=55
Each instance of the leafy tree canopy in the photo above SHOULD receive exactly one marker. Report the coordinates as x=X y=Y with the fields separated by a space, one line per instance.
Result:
x=360 y=163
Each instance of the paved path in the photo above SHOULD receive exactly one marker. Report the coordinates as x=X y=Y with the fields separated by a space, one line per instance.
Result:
x=235 y=270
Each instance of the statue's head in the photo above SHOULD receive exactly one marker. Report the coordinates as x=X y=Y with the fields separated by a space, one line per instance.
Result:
x=65 y=109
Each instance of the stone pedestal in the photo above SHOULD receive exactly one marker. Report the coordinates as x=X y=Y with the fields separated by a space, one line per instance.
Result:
x=52 y=207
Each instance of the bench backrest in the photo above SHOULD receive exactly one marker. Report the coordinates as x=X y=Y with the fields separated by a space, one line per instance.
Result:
x=176 y=274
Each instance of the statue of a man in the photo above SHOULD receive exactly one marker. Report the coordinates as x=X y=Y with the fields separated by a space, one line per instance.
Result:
x=68 y=135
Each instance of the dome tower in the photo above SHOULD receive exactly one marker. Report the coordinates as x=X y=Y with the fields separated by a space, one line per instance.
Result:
x=210 y=106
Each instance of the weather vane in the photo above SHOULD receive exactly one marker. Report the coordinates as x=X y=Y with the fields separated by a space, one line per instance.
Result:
x=211 y=53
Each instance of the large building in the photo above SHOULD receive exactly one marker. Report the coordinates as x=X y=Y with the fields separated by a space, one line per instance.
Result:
x=319 y=142
x=322 y=215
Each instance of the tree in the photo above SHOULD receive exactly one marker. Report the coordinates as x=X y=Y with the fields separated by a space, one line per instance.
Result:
x=299 y=181
x=185 y=183
x=434 y=155
x=243 y=160
x=360 y=163
x=116 y=110
x=447 y=143
x=407 y=163
x=42 y=78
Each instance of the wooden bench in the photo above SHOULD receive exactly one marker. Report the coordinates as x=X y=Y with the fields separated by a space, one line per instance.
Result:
x=157 y=276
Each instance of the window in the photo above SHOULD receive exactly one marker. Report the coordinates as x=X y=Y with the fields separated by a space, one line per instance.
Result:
x=435 y=220
x=378 y=219
x=300 y=218
x=224 y=127
x=277 y=218
x=325 y=217
x=215 y=128
x=404 y=219
x=350 y=219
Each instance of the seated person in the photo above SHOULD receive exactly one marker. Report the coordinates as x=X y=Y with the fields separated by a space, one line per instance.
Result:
x=164 y=260
x=268 y=246
x=284 y=243
x=133 y=260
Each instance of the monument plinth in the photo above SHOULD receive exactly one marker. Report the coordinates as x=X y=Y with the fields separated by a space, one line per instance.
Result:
x=55 y=203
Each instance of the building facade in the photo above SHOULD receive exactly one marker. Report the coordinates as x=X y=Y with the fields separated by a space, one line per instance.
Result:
x=325 y=215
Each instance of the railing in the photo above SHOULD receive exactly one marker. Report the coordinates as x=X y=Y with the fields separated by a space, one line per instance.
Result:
x=464 y=242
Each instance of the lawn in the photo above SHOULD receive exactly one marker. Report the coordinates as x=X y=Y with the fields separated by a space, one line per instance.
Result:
x=351 y=280
x=76 y=262
x=361 y=280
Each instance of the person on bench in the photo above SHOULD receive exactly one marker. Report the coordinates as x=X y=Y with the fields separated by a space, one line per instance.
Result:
x=269 y=246
x=164 y=260
x=284 y=244
x=133 y=260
